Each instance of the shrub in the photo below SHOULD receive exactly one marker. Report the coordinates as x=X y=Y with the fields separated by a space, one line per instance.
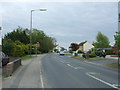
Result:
x=79 y=51
x=109 y=52
x=18 y=51
x=70 y=51
x=91 y=55
x=26 y=49
x=8 y=46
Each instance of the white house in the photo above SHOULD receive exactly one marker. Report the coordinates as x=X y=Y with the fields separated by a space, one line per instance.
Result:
x=85 y=46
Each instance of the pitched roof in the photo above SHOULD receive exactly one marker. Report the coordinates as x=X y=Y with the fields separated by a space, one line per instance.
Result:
x=81 y=44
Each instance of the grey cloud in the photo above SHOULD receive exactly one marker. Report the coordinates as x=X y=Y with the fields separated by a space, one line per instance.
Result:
x=66 y=21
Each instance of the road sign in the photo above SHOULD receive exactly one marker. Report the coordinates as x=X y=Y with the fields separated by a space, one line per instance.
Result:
x=37 y=45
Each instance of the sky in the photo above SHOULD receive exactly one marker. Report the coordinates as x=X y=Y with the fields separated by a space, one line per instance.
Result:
x=66 y=21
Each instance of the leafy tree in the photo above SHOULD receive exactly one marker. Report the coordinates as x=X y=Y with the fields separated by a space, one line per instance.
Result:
x=102 y=41
x=117 y=39
x=46 y=43
x=62 y=49
x=18 y=34
x=21 y=40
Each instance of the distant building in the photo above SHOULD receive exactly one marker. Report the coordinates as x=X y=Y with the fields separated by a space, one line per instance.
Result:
x=85 y=46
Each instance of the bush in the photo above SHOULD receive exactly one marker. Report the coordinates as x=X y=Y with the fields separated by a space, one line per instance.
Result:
x=8 y=46
x=18 y=51
x=70 y=51
x=79 y=51
x=26 y=49
x=84 y=55
x=91 y=55
x=109 y=52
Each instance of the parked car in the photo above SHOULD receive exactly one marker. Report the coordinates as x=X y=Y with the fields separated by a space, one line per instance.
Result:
x=4 y=59
x=61 y=53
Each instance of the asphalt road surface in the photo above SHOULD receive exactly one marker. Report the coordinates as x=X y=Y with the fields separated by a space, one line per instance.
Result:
x=55 y=71
x=65 y=72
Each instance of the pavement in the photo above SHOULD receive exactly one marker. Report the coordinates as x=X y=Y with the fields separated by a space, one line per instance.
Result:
x=27 y=76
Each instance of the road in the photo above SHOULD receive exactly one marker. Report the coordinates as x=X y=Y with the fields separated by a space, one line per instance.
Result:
x=54 y=71
x=65 y=72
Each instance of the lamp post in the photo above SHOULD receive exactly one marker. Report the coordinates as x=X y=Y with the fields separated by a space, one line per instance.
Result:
x=31 y=27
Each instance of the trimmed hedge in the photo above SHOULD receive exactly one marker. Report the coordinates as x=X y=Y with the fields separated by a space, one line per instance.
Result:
x=89 y=55
x=109 y=52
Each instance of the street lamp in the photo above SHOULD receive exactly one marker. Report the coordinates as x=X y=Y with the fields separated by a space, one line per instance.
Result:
x=31 y=26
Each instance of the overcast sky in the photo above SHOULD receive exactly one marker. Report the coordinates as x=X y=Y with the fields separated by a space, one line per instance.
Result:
x=67 y=22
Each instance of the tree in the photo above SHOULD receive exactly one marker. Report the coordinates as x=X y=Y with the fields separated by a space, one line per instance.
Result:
x=8 y=46
x=21 y=38
x=74 y=46
x=46 y=43
x=62 y=49
x=117 y=40
x=18 y=34
x=102 y=41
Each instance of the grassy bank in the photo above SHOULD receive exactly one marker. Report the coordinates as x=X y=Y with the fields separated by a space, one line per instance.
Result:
x=27 y=57
x=81 y=58
x=115 y=65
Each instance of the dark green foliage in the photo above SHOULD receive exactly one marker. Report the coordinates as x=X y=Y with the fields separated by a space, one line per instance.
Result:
x=18 y=34
x=79 y=51
x=100 y=53
x=17 y=43
x=8 y=46
x=89 y=55
x=70 y=51
x=117 y=39
x=109 y=52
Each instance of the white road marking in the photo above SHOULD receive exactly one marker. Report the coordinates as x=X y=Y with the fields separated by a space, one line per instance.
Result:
x=101 y=80
x=116 y=85
x=41 y=78
x=62 y=61
x=74 y=67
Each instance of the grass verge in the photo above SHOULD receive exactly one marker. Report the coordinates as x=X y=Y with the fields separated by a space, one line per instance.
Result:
x=27 y=57
x=81 y=58
x=115 y=65
x=5 y=76
x=68 y=54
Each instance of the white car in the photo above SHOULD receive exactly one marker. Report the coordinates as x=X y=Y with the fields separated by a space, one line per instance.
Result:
x=61 y=53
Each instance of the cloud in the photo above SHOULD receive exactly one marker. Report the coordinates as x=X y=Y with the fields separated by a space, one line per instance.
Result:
x=68 y=22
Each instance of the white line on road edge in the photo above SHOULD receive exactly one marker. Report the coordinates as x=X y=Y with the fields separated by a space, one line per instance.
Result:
x=101 y=80
x=41 y=78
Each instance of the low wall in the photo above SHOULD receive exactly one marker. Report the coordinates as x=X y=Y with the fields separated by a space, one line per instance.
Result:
x=11 y=67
